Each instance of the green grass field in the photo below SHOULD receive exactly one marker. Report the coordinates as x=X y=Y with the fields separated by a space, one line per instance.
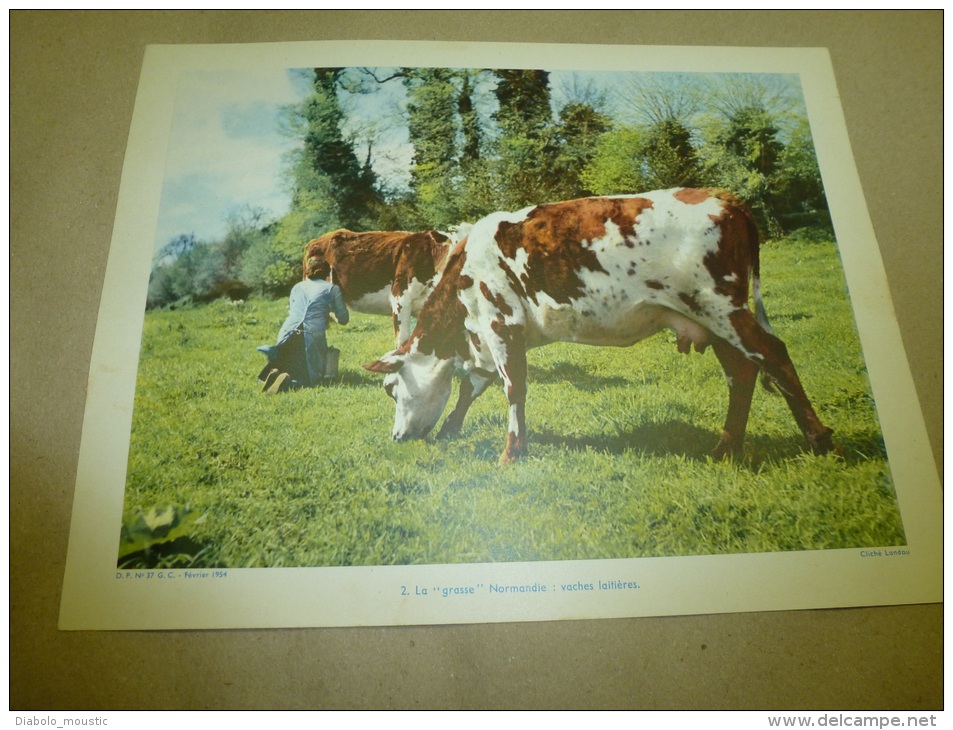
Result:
x=222 y=475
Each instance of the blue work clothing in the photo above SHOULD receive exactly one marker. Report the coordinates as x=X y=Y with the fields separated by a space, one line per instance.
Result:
x=310 y=304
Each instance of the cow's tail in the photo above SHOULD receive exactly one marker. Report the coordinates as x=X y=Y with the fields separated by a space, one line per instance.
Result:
x=760 y=313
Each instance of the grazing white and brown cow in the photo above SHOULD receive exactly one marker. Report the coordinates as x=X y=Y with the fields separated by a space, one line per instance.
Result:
x=599 y=271
x=383 y=272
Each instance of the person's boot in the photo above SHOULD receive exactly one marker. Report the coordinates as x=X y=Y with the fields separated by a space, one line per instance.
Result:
x=281 y=382
x=270 y=380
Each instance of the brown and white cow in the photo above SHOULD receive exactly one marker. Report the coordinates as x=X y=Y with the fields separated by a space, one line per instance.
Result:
x=599 y=271
x=383 y=272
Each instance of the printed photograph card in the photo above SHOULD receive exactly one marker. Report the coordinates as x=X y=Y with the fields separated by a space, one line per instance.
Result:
x=425 y=333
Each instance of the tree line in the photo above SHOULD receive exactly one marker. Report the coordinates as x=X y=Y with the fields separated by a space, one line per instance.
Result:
x=484 y=140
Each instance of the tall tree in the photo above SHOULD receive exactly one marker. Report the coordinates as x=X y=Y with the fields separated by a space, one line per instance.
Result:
x=577 y=137
x=751 y=134
x=432 y=121
x=665 y=106
x=524 y=98
x=618 y=163
x=526 y=149
x=329 y=186
x=327 y=151
x=797 y=192
x=469 y=120
x=752 y=121
x=670 y=156
x=741 y=153
x=477 y=189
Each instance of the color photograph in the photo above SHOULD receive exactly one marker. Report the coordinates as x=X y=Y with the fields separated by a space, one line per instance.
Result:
x=416 y=315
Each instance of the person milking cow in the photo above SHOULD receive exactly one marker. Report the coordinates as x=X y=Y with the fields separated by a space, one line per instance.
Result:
x=300 y=357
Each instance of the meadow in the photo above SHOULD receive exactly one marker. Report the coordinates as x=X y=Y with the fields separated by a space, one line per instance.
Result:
x=223 y=475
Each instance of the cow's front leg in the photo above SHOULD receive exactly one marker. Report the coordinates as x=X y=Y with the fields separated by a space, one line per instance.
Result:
x=513 y=370
x=471 y=387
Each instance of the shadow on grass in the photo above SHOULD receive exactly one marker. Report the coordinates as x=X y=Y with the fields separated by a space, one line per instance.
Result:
x=669 y=438
x=579 y=377
x=852 y=448
x=680 y=438
x=792 y=317
x=356 y=377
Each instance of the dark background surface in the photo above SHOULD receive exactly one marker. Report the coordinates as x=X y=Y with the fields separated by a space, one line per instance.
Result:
x=73 y=80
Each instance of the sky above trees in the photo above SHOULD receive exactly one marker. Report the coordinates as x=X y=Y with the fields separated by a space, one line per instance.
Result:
x=226 y=150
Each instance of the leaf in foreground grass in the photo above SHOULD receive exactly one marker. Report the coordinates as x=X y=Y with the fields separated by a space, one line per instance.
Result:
x=160 y=537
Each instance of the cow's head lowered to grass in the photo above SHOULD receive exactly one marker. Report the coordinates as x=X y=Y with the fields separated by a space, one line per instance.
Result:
x=597 y=271
x=420 y=386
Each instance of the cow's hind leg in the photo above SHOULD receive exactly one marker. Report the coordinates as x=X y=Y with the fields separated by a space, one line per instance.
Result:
x=772 y=355
x=742 y=374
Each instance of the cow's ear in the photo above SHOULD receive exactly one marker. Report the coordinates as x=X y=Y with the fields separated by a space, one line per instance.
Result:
x=384 y=366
